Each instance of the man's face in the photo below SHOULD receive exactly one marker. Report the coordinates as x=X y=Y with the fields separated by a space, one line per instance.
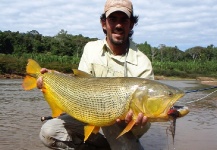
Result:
x=118 y=26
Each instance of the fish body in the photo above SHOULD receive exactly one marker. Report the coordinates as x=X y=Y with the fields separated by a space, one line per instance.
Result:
x=99 y=101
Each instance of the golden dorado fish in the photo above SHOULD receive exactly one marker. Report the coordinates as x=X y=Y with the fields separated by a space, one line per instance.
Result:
x=99 y=101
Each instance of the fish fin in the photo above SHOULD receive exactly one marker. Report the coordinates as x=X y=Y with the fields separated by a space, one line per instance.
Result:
x=32 y=69
x=88 y=129
x=56 y=111
x=96 y=130
x=127 y=128
x=81 y=74
x=29 y=83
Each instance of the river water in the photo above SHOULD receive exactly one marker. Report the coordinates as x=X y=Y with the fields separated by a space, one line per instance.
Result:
x=20 y=113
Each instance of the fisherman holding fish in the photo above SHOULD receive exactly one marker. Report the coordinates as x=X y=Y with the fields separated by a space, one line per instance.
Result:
x=115 y=56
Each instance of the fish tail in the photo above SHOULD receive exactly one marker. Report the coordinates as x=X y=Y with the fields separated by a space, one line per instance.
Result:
x=32 y=71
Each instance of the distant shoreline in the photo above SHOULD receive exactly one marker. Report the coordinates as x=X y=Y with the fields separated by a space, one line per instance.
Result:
x=10 y=76
x=204 y=80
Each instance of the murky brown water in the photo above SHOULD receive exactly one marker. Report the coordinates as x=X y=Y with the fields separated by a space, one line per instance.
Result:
x=20 y=113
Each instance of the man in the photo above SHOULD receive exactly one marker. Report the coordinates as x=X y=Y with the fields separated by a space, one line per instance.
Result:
x=114 y=56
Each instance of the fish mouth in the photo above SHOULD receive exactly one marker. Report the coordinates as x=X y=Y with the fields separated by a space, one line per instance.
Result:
x=178 y=111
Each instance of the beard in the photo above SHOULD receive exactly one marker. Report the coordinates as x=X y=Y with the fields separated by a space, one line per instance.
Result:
x=117 y=39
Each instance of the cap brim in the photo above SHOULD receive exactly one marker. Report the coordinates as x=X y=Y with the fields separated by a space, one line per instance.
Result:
x=114 y=9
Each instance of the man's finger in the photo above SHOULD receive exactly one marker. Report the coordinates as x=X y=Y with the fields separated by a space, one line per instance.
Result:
x=39 y=83
x=144 y=120
x=44 y=70
x=118 y=120
x=129 y=116
x=139 y=119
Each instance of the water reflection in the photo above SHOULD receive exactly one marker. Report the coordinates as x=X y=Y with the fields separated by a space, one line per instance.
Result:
x=21 y=111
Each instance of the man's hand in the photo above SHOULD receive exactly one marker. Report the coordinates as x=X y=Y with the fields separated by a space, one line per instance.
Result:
x=140 y=121
x=40 y=80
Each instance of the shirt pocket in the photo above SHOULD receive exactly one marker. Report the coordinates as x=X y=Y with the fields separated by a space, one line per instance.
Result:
x=99 y=70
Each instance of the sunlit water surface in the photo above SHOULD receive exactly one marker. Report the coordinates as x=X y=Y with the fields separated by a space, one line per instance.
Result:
x=20 y=113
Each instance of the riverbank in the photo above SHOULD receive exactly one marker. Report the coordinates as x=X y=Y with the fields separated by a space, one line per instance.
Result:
x=10 y=76
x=208 y=80
x=204 y=80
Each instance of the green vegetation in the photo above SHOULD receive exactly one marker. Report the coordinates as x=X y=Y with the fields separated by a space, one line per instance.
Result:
x=14 y=64
x=186 y=69
x=63 y=51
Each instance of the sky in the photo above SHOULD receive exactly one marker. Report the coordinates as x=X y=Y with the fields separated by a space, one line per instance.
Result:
x=181 y=23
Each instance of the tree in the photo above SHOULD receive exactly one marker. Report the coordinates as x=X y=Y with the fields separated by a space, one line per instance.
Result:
x=154 y=52
x=161 y=47
x=145 y=48
x=6 y=40
x=195 y=52
x=211 y=52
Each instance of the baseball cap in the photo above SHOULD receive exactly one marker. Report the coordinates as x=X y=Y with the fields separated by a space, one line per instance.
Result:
x=125 y=6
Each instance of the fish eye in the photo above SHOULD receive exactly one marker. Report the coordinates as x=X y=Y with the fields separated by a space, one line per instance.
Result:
x=170 y=93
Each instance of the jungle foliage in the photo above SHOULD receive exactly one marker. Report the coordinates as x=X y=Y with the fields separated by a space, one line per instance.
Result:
x=62 y=52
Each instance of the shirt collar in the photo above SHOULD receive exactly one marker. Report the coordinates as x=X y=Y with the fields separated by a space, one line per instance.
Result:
x=131 y=56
